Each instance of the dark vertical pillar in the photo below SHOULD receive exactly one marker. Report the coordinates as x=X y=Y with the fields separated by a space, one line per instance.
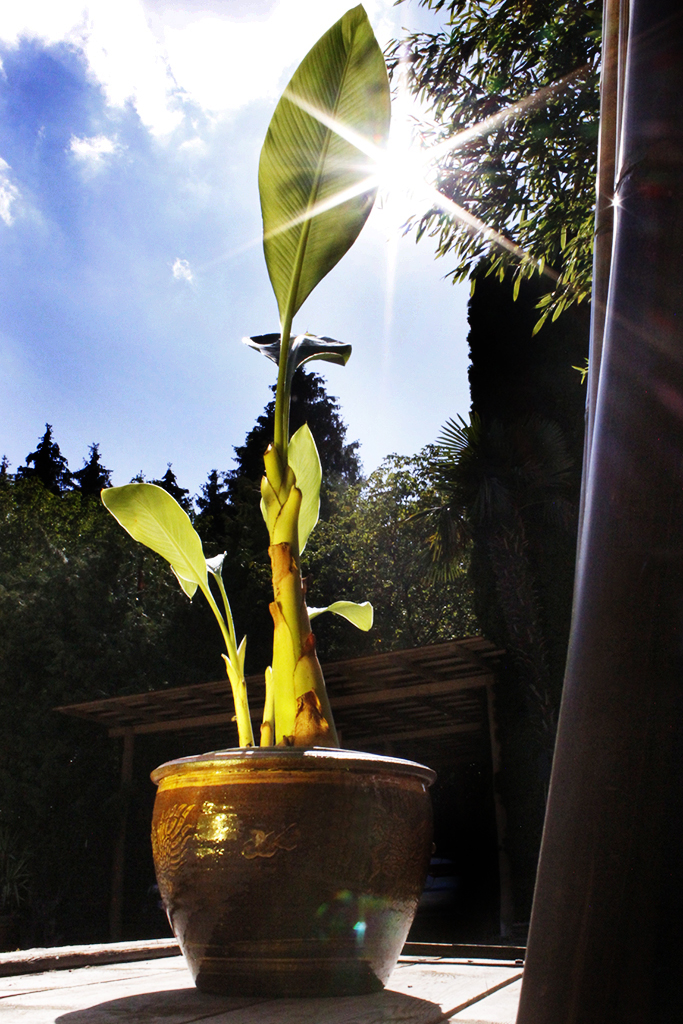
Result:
x=606 y=939
x=504 y=874
x=119 y=859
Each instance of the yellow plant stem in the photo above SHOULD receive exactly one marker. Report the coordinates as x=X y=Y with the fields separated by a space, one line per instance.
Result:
x=302 y=713
x=235 y=669
x=301 y=707
x=245 y=733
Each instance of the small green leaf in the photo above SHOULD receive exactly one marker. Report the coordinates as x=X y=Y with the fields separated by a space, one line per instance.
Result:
x=361 y=615
x=317 y=172
x=150 y=515
x=539 y=324
x=304 y=461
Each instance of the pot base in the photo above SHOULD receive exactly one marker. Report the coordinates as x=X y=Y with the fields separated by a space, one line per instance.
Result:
x=286 y=976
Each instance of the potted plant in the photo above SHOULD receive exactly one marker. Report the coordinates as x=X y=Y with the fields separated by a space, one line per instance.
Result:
x=293 y=868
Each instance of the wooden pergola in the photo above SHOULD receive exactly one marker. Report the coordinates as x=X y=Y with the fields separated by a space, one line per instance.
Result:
x=438 y=698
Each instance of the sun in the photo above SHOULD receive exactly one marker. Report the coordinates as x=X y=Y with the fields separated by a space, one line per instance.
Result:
x=407 y=169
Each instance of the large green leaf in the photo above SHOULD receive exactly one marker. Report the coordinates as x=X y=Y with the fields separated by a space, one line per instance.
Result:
x=305 y=463
x=151 y=516
x=361 y=615
x=317 y=187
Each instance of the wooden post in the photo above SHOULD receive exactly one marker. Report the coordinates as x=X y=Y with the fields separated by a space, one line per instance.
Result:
x=605 y=944
x=119 y=859
x=504 y=875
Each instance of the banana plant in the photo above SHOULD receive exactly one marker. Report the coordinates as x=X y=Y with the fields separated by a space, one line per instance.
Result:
x=317 y=184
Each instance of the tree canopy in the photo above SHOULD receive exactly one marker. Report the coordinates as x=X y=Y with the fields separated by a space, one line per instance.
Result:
x=372 y=549
x=518 y=81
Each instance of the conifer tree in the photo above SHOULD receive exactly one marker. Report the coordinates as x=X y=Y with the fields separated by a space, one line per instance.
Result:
x=212 y=519
x=47 y=464
x=310 y=404
x=181 y=494
x=93 y=476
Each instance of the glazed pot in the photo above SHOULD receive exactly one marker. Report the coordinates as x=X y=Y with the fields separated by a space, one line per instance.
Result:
x=289 y=871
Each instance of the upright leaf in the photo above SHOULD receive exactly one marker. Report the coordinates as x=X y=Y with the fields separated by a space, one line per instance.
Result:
x=150 y=515
x=317 y=187
x=305 y=463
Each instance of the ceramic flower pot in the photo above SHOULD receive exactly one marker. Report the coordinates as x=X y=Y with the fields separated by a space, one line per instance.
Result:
x=290 y=871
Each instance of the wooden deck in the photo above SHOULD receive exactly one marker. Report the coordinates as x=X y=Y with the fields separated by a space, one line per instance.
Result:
x=422 y=990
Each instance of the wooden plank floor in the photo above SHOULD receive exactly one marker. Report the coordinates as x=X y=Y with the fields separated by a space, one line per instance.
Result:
x=420 y=991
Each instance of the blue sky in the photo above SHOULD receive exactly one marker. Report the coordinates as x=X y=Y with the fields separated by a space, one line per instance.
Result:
x=130 y=242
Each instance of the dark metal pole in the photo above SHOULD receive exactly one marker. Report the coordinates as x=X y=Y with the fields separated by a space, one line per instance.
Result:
x=606 y=938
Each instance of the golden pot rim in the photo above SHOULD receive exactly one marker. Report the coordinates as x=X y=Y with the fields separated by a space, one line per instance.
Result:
x=296 y=759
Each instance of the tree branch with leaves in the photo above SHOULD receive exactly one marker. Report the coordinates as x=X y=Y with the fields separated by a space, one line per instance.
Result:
x=515 y=86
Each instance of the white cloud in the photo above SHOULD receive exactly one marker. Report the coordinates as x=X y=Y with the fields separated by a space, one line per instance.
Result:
x=193 y=147
x=223 y=64
x=182 y=271
x=122 y=51
x=221 y=55
x=93 y=150
x=9 y=193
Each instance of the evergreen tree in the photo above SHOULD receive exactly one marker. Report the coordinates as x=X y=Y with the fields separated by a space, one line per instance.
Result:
x=212 y=520
x=170 y=484
x=93 y=477
x=4 y=468
x=49 y=465
x=310 y=404
x=517 y=378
